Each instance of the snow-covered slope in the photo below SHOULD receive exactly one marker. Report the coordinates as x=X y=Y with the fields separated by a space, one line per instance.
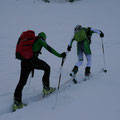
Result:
x=96 y=99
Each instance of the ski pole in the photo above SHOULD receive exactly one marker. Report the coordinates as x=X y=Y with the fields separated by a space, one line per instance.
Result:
x=105 y=70
x=63 y=60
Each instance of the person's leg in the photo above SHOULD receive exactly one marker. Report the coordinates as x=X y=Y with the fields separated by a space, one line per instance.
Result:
x=42 y=65
x=87 y=52
x=88 y=57
x=88 y=66
x=25 y=71
x=80 y=59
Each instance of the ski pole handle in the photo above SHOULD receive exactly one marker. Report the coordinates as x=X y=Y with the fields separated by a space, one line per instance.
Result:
x=63 y=59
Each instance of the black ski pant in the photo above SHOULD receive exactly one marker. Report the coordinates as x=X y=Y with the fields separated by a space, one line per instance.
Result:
x=26 y=67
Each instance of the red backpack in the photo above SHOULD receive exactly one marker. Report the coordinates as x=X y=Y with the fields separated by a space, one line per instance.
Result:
x=24 y=45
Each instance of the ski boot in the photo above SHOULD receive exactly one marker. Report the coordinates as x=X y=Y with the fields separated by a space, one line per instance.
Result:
x=74 y=71
x=73 y=74
x=48 y=90
x=87 y=73
x=18 y=105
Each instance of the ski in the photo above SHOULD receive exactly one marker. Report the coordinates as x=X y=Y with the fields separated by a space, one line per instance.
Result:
x=71 y=81
x=85 y=78
x=64 y=85
x=67 y=83
x=91 y=76
x=42 y=96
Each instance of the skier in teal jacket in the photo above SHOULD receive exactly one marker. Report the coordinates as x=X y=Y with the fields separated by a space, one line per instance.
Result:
x=82 y=35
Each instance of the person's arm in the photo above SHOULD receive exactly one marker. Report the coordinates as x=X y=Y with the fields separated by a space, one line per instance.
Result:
x=40 y=43
x=95 y=31
x=70 y=44
x=98 y=32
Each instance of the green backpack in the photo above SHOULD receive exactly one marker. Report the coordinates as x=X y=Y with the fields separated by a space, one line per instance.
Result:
x=80 y=35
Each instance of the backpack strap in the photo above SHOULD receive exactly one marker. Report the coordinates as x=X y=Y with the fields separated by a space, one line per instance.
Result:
x=88 y=33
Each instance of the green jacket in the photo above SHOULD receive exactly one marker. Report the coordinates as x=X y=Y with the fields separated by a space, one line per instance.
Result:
x=83 y=34
x=39 y=43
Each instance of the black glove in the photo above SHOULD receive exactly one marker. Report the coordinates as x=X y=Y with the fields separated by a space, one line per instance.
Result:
x=69 y=48
x=63 y=55
x=101 y=34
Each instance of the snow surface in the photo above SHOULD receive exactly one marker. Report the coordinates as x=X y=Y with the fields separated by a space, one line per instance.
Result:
x=96 y=99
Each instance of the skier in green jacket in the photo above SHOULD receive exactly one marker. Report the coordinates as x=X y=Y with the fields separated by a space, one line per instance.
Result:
x=82 y=35
x=35 y=63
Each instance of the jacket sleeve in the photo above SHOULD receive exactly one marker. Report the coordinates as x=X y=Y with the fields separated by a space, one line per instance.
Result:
x=49 y=48
x=95 y=31
x=71 y=42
